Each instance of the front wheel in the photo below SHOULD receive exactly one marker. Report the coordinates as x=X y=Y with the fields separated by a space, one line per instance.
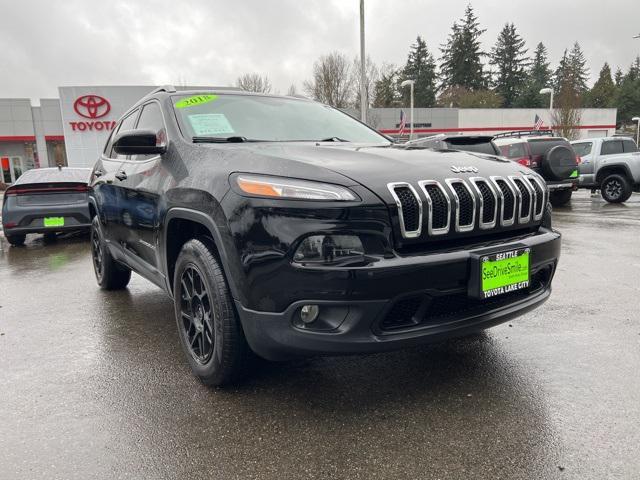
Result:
x=559 y=198
x=110 y=274
x=210 y=332
x=616 y=189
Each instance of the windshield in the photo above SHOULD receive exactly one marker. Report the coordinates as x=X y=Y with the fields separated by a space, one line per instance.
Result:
x=268 y=119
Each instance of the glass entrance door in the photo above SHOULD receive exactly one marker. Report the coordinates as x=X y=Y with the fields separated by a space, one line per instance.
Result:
x=12 y=168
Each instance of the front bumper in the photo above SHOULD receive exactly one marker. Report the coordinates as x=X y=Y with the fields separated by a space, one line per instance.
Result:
x=437 y=280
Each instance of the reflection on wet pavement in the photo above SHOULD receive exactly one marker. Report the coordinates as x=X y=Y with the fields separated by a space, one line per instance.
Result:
x=94 y=384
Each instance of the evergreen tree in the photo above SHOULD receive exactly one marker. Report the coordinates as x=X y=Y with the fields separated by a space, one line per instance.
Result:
x=538 y=77
x=603 y=93
x=628 y=98
x=385 y=92
x=579 y=69
x=421 y=68
x=462 y=56
x=509 y=57
x=618 y=77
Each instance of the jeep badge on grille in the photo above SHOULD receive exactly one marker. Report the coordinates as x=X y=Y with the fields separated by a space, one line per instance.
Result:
x=457 y=169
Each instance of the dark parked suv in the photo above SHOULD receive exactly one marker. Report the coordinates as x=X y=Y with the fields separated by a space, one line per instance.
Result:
x=285 y=227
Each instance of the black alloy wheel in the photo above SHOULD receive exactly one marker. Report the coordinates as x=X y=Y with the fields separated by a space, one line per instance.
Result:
x=615 y=189
x=96 y=254
x=196 y=314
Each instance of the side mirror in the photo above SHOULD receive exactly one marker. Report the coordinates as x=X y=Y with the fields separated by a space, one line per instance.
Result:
x=138 y=142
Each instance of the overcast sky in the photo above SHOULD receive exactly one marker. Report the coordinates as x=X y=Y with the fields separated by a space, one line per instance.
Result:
x=44 y=44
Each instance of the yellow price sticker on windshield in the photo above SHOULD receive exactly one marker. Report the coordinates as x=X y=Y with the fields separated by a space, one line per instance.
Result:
x=195 y=100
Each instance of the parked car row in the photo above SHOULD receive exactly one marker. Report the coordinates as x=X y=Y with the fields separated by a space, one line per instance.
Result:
x=608 y=164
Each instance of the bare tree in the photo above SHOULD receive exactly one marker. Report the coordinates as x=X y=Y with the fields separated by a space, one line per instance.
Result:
x=567 y=115
x=372 y=74
x=253 y=82
x=332 y=81
x=293 y=91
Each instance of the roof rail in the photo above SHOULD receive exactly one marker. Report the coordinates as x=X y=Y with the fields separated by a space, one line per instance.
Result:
x=524 y=133
x=164 y=88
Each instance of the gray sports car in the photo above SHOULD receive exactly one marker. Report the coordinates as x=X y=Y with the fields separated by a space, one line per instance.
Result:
x=46 y=200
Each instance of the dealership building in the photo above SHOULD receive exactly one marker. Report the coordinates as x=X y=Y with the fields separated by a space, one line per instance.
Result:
x=72 y=129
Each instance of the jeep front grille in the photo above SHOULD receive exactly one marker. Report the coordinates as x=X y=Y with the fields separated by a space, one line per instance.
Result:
x=467 y=204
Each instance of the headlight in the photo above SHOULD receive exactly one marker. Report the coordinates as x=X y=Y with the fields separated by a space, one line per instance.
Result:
x=277 y=187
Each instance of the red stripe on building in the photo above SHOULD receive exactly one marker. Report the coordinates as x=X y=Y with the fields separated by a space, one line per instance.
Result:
x=488 y=129
x=18 y=138
x=54 y=138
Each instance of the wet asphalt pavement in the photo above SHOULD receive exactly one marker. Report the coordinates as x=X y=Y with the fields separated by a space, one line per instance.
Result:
x=93 y=384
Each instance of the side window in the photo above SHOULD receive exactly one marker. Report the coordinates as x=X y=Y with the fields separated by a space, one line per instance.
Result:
x=582 y=149
x=611 y=147
x=127 y=123
x=151 y=119
x=629 y=146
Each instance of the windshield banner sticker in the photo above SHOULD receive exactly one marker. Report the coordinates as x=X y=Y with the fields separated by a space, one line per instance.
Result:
x=195 y=100
x=210 y=124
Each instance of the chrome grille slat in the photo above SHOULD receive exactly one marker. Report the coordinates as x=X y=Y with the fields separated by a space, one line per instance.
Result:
x=485 y=205
x=466 y=227
x=433 y=203
x=414 y=233
x=505 y=221
x=540 y=196
x=525 y=197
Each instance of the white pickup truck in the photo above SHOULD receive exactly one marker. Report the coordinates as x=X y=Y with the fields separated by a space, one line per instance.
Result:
x=611 y=164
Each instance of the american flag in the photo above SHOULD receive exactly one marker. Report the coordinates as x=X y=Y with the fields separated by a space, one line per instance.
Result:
x=403 y=123
x=538 y=123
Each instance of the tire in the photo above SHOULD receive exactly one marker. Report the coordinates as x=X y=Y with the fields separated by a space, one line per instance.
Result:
x=615 y=188
x=110 y=274
x=208 y=326
x=16 y=240
x=559 y=163
x=559 y=198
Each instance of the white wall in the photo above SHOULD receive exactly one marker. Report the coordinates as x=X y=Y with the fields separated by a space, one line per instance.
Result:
x=83 y=147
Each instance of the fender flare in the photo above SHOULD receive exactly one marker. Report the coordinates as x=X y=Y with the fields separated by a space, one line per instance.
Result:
x=207 y=222
x=620 y=166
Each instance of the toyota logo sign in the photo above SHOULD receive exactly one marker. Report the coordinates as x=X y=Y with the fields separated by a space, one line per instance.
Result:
x=92 y=106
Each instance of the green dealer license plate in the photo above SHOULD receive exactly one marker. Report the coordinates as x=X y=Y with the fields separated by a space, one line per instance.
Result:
x=504 y=272
x=54 y=221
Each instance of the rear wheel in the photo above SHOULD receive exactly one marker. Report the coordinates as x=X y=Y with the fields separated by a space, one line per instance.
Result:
x=615 y=188
x=16 y=240
x=210 y=332
x=559 y=198
x=110 y=274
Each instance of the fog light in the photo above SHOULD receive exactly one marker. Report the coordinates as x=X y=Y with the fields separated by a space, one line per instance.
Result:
x=309 y=313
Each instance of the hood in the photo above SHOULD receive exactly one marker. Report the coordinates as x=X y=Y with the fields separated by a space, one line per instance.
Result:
x=374 y=167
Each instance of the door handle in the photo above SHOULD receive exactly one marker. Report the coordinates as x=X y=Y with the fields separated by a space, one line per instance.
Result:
x=98 y=173
x=121 y=175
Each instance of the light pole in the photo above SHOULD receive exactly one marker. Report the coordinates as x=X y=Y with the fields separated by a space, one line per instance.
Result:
x=637 y=120
x=404 y=84
x=363 y=66
x=548 y=90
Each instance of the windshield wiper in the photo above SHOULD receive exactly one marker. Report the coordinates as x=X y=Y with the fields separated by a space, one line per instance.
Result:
x=235 y=139
x=333 y=139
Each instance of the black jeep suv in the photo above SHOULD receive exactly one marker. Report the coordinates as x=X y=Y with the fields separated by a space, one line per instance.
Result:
x=285 y=227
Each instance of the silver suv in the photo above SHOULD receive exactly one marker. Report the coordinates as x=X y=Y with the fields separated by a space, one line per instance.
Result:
x=611 y=164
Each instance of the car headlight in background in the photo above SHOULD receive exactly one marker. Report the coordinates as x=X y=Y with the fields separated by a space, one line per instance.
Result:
x=278 y=187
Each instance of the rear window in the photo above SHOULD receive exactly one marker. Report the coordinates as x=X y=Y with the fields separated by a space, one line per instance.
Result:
x=582 y=149
x=515 y=150
x=629 y=146
x=54 y=175
x=543 y=145
x=611 y=147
